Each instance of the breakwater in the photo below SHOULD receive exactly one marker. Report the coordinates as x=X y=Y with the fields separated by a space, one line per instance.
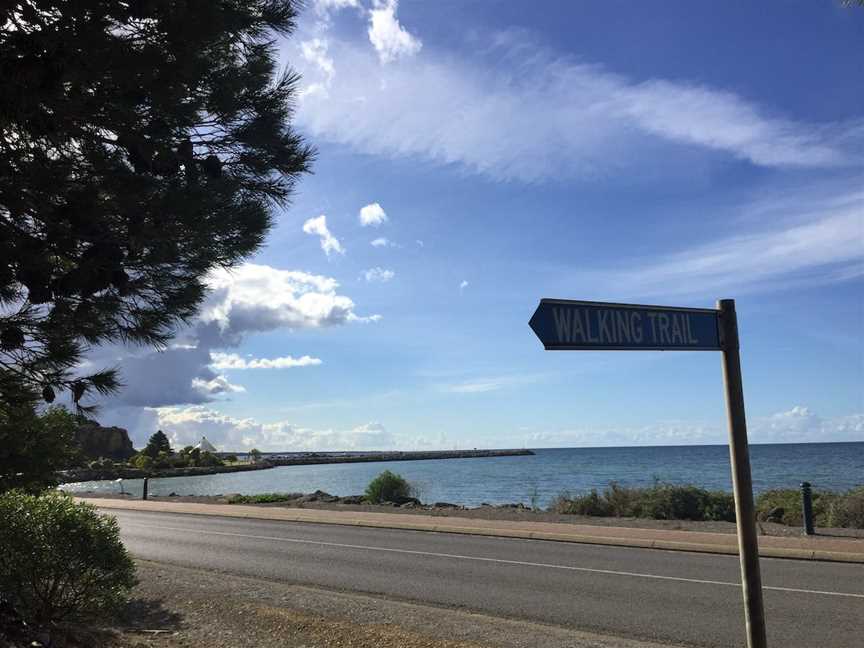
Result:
x=366 y=457
x=271 y=460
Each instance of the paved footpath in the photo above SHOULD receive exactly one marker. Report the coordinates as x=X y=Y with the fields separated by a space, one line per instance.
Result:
x=823 y=548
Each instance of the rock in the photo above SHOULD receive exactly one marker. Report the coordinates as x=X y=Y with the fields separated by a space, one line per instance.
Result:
x=352 y=499
x=96 y=441
x=439 y=505
x=173 y=494
x=775 y=514
x=408 y=505
x=318 y=496
x=406 y=500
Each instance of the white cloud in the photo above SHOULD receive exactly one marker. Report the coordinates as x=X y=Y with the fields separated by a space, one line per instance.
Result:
x=382 y=242
x=249 y=299
x=796 y=425
x=314 y=51
x=573 y=119
x=186 y=425
x=223 y=361
x=800 y=425
x=378 y=274
x=217 y=385
x=373 y=215
x=389 y=38
x=486 y=384
x=476 y=387
x=801 y=244
x=255 y=298
x=323 y=7
x=463 y=285
x=318 y=227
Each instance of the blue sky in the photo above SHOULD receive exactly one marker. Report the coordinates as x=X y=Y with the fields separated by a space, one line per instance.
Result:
x=477 y=156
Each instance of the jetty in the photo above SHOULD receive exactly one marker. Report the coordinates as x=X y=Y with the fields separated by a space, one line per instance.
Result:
x=307 y=458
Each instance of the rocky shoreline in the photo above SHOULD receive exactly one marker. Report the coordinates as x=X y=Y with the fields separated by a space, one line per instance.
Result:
x=322 y=497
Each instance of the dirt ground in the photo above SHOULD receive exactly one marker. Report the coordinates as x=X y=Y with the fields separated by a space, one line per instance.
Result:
x=517 y=514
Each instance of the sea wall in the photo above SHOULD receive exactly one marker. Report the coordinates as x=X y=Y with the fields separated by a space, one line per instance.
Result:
x=325 y=458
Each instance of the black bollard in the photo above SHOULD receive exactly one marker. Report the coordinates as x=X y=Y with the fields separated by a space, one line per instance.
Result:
x=144 y=493
x=807 y=506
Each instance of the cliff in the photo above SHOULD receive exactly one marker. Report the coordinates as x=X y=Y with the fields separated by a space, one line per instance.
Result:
x=111 y=442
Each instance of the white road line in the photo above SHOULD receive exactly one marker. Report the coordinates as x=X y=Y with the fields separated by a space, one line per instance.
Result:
x=502 y=561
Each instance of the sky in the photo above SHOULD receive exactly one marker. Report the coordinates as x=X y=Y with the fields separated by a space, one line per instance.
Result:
x=474 y=157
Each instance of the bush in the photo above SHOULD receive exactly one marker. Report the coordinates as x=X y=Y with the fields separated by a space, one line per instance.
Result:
x=830 y=509
x=660 y=502
x=387 y=487
x=102 y=463
x=142 y=462
x=592 y=504
x=61 y=560
x=208 y=459
x=846 y=510
x=34 y=447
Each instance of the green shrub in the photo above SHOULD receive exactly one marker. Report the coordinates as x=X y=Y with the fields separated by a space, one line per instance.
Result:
x=846 y=510
x=591 y=504
x=387 y=487
x=660 y=502
x=720 y=506
x=208 y=459
x=142 y=461
x=789 y=499
x=33 y=448
x=61 y=560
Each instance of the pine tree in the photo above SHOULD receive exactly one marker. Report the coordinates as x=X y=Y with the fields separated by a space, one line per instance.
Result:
x=142 y=144
x=157 y=443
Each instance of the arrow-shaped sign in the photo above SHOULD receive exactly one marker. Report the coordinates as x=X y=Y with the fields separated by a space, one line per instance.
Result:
x=563 y=325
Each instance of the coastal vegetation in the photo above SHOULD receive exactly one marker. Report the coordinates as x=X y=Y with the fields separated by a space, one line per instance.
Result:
x=34 y=447
x=676 y=502
x=830 y=509
x=388 y=487
x=61 y=561
x=659 y=502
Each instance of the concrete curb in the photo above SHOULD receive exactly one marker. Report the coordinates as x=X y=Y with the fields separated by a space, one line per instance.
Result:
x=286 y=515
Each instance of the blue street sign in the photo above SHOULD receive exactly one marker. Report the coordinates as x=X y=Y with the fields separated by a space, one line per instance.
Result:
x=563 y=325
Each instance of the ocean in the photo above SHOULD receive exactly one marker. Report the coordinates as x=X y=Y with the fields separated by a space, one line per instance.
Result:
x=539 y=478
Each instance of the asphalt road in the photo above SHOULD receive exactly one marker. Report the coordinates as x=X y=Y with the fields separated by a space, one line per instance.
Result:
x=649 y=594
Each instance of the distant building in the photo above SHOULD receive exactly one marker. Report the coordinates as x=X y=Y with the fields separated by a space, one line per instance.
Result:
x=205 y=446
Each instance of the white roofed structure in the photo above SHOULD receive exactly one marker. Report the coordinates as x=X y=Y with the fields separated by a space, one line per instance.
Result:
x=205 y=446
